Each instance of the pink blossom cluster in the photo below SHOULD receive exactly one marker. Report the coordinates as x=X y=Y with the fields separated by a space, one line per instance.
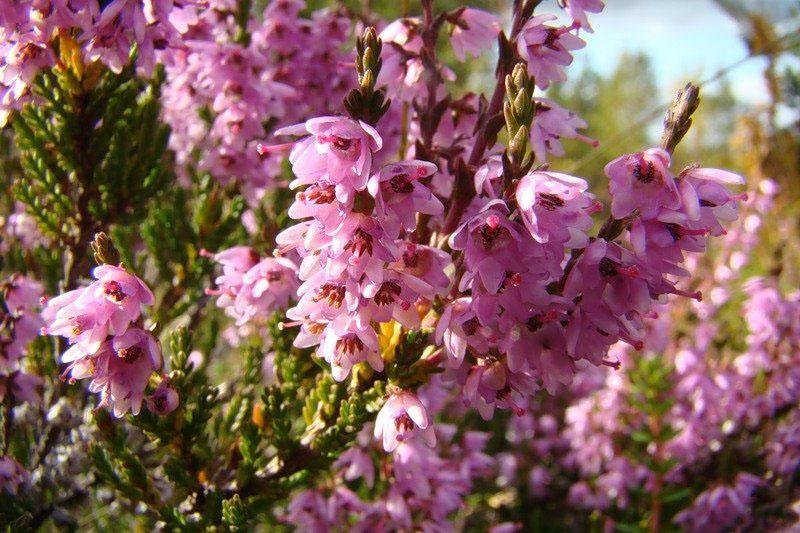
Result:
x=721 y=507
x=19 y=326
x=357 y=272
x=524 y=320
x=20 y=227
x=547 y=49
x=105 y=32
x=552 y=123
x=473 y=32
x=251 y=289
x=223 y=92
x=427 y=485
x=108 y=344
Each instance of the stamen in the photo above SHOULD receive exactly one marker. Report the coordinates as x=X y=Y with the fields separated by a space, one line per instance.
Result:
x=264 y=149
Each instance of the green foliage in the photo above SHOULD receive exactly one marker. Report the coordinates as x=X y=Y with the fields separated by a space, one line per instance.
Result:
x=91 y=153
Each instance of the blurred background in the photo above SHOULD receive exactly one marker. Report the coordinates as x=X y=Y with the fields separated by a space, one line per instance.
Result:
x=743 y=53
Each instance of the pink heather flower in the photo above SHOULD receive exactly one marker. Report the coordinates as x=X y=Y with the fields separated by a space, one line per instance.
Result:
x=23 y=56
x=150 y=25
x=120 y=369
x=490 y=384
x=427 y=485
x=343 y=503
x=401 y=62
x=721 y=507
x=764 y=303
x=22 y=294
x=538 y=480
x=290 y=68
x=491 y=243
x=399 y=194
x=319 y=201
x=235 y=263
x=784 y=449
x=106 y=34
x=344 y=345
x=488 y=180
x=250 y=288
x=473 y=32
x=555 y=208
x=12 y=475
x=661 y=244
x=309 y=511
x=266 y=288
x=164 y=399
x=551 y=124
x=320 y=299
x=356 y=464
x=707 y=198
x=577 y=9
x=22 y=299
x=705 y=203
x=392 y=299
x=609 y=265
x=642 y=182
x=19 y=386
x=423 y=268
x=458 y=328
x=403 y=71
x=609 y=277
x=339 y=150
x=310 y=333
x=401 y=418
x=547 y=49
x=86 y=316
x=21 y=227
x=359 y=248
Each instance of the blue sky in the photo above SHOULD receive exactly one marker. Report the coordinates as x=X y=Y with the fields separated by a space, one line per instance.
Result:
x=686 y=39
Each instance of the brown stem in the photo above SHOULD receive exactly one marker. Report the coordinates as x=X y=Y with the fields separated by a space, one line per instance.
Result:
x=463 y=189
x=429 y=121
x=431 y=117
x=658 y=482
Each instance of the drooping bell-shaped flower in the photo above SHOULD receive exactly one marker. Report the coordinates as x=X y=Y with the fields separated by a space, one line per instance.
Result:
x=401 y=418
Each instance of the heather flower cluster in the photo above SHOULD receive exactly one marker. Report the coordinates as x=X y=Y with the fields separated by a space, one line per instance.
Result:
x=522 y=309
x=20 y=227
x=251 y=289
x=19 y=326
x=230 y=86
x=525 y=320
x=429 y=484
x=357 y=272
x=36 y=35
x=107 y=341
